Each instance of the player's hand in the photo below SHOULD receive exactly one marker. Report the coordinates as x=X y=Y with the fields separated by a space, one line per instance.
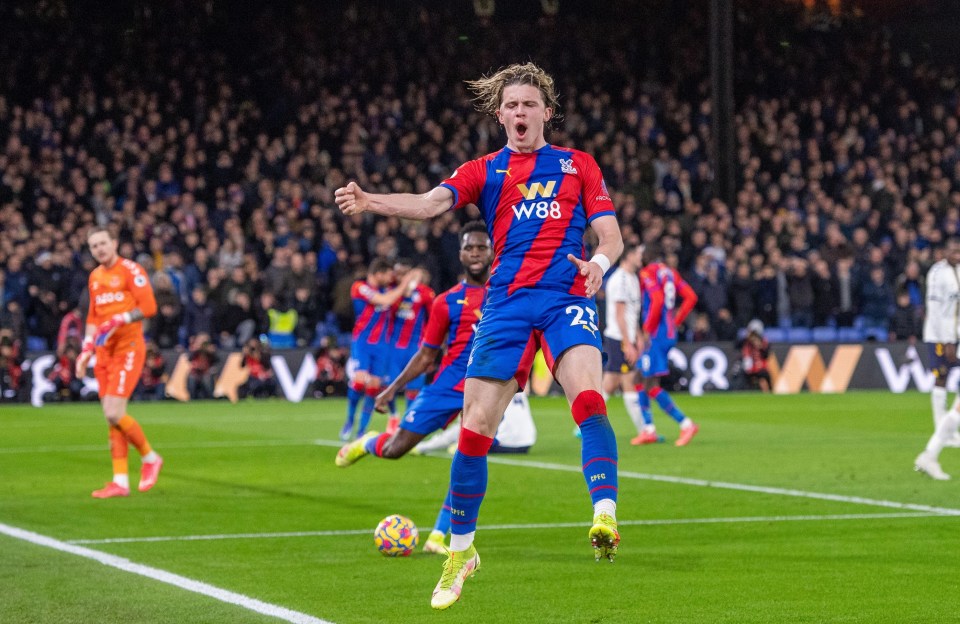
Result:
x=351 y=199
x=630 y=353
x=106 y=328
x=83 y=359
x=641 y=343
x=412 y=279
x=381 y=403
x=591 y=270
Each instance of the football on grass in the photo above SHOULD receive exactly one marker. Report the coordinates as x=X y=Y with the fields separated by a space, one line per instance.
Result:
x=396 y=536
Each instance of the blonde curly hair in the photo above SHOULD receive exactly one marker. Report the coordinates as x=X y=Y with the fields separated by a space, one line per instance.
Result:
x=488 y=89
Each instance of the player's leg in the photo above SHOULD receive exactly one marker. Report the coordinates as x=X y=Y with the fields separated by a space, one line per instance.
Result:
x=120 y=484
x=943 y=359
x=659 y=368
x=648 y=433
x=435 y=542
x=928 y=461
x=356 y=388
x=631 y=399
x=939 y=368
x=433 y=409
x=577 y=371
x=484 y=402
x=370 y=396
x=122 y=375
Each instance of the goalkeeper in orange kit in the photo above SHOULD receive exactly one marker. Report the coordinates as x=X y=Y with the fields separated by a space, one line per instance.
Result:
x=120 y=298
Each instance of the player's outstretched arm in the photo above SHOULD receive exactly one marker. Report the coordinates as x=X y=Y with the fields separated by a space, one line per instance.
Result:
x=418 y=364
x=351 y=200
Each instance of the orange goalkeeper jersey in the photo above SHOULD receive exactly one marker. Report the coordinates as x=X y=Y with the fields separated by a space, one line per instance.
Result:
x=119 y=289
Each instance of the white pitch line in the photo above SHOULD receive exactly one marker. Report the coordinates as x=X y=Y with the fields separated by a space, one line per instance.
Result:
x=197 y=587
x=516 y=527
x=859 y=500
x=83 y=448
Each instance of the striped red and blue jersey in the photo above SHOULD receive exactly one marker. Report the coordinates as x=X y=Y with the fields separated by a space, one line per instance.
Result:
x=410 y=316
x=660 y=287
x=454 y=315
x=536 y=207
x=373 y=322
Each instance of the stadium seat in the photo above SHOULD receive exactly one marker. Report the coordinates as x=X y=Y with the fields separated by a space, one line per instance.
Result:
x=36 y=343
x=877 y=334
x=282 y=340
x=799 y=334
x=824 y=334
x=849 y=334
x=775 y=334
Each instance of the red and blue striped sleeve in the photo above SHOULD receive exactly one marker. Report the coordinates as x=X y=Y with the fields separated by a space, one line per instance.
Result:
x=438 y=324
x=466 y=183
x=596 y=197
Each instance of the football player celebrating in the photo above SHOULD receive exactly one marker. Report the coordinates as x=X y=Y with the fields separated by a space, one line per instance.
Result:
x=537 y=200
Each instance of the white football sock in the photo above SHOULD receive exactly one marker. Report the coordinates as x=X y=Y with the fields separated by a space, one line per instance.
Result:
x=631 y=402
x=122 y=480
x=605 y=505
x=938 y=400
x=947 y=427
x=461 y=542
x=150 y=457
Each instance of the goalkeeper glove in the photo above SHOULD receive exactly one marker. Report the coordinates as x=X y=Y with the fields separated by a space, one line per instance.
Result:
x=106 y=328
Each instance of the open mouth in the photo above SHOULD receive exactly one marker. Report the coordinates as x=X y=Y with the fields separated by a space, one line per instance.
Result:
x=521 y=130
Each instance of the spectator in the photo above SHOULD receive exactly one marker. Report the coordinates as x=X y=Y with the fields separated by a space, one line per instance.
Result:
x=66 y=386
x=742 y=295
x=906 y=323
x=754 y=353
x=724 y=328
x=203 y=357
x=825 y=297
x=198 y=316
x=262 y=381
x=71 y=329
x=308 y=315
x=153 y=381
x=236 y=321
x=165 y=326
x=877 y=300
x=702 y=330
x=800 y=294
x=331 y=375
x=11 y=373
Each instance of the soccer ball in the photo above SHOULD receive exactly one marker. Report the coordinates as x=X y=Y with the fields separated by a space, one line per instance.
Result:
x=396 y=536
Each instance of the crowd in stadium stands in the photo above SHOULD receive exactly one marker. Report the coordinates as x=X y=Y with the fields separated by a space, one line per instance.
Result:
x=213 y=143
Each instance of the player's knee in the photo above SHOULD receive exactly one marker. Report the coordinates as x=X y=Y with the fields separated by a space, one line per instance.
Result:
x=588 y=403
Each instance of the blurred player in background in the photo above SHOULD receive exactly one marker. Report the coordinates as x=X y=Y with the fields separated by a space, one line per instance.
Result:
x=537 y=200
x=452 y=323
x=409 y=318
x=120 y=298
x=620 y=333
x=373 y=300
x=941 y=332
x=660 y=286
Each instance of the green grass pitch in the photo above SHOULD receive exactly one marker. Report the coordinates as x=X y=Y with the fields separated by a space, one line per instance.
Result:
x=784 y=509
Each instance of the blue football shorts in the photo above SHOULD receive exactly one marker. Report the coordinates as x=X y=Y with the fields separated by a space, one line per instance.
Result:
x=514 y=326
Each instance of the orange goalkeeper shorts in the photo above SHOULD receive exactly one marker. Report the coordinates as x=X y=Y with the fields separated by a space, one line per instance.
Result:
x=118 y=370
